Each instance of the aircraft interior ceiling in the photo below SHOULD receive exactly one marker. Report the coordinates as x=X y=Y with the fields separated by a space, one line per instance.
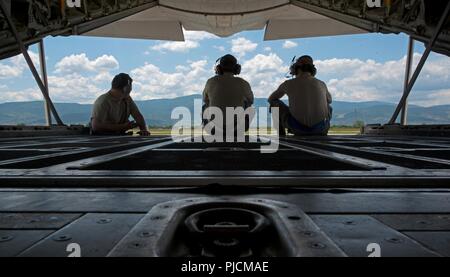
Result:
x=166 y=19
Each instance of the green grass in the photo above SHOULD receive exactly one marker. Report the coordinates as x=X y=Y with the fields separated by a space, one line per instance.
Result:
x=344 y=131
x=335 y=130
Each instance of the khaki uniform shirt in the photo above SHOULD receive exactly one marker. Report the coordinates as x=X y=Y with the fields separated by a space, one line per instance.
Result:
x=227 y=91
x=108 y=109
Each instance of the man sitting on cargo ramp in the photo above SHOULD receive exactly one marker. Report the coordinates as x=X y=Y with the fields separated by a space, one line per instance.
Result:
x=309 y=111
x=225 y=90
x=112 y=110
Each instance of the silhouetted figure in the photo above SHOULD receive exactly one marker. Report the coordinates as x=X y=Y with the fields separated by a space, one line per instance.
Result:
x=309 y=111
x=227 y=90
x=111 y=111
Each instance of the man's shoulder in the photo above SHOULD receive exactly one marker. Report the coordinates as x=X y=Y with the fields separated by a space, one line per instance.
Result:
x=310 y=80
x=287 y=83
x=242 y=80
x=102 y=99
x=217 y=78
x=315 y=79
x=320 y=82
x=213 y=78
x=103 y=96
x=131 y=101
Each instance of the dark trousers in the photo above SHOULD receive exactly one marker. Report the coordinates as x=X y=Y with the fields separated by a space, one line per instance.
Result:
x=223 y=127
x=285 y=118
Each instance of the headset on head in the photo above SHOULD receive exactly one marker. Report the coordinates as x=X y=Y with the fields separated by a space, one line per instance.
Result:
x=127 y=88
x=123 y=82
x=236 y=70
x=295 y=66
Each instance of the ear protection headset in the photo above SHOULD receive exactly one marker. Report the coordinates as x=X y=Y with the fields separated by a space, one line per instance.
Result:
x=123 y=82
x=227 y=63
x=299 y=64
x=127 y=88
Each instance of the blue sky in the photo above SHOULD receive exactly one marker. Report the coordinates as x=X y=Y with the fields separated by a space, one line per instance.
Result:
x=355 y=67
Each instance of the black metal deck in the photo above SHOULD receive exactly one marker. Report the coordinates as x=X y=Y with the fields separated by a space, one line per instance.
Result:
x=334 y=161
x=94 y=190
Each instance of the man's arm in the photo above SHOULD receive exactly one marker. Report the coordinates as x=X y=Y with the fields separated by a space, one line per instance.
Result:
x=140 y=120
x=329 y=98
x=278 y=94
x=249 y=95
x=98 y=126
x=205 y=93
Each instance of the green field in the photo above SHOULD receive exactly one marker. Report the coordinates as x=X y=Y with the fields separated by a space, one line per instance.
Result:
x=344 y=131
x=333 y=131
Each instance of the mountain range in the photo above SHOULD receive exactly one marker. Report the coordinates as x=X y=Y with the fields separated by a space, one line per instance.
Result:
x=158 y=111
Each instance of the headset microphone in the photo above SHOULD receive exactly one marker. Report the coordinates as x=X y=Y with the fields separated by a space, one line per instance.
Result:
x=216 y=66
x=127 y=87
x=289 y=74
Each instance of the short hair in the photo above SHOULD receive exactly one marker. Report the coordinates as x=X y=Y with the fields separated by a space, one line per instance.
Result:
x=121 y=80
x=305 y=59
x=307 y=68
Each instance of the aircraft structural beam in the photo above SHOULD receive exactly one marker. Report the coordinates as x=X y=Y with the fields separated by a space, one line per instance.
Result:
x=424 y=58
x=408 y=67
x=33 y=70
x=43 y=65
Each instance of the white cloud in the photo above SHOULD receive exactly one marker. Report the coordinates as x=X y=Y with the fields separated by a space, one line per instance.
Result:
x=19 y=60
x=240 y=46
x=72 y=88
x=267 y=49
x=81 y=63
x=288 y=44
x=29 y=94
x=220 y=48
x=75 y=88
x=191 y=41
x=85 y=86
x=15 y=66
x=104 y=76
x=176 y=46
x=198 y=35
x=433 y=98
x=76 y=78
x=264 y=73
x=182 y=68
x=347 y=79
x=151 y=82
x=358 y=80
x=9 y=71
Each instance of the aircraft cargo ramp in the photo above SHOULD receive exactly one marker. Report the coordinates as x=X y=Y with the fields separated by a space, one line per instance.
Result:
x=133 y=162
x=150 y=196
x=106 y=194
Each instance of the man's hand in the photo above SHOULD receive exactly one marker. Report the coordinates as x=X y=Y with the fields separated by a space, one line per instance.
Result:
x=144 y=133
x=129 y=125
